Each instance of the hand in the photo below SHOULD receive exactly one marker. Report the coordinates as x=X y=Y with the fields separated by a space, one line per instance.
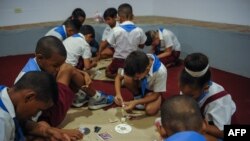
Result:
x=87 y=78
x=118 y=100
x=129 y=106
x=98 y=56
x=161 y=131
x=74 y=134
x=54 y=135
x=94 y=63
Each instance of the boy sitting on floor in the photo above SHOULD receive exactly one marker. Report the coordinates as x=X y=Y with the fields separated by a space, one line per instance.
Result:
x=50 y=55
x=35 y=91
x=146 y=77
x=165 y=45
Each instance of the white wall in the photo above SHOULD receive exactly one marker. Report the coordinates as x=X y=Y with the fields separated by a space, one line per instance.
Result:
x=221 y=11
x=35 y=11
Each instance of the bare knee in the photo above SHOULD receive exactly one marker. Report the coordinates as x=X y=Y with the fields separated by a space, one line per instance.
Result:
x=151 y=111
x=153 y=107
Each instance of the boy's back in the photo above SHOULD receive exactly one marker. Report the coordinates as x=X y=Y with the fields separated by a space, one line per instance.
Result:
x=169 y=39
x=126 y=38
x=76 y=47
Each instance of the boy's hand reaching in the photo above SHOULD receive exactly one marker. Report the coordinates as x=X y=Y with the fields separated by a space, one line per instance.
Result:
x=118 y=100
x=129 y=106
x=94 y=63
x=53 y=134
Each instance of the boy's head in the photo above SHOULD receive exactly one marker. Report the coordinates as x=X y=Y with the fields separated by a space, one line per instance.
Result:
x=89 y=32
x=34 y=92
x=195 y=77
x=79 y=14
x=110 y=16
x=152 y=38
x=125 y=12
x=181 y=113
x=136 y=65
x=50 y=54
x=72 y=26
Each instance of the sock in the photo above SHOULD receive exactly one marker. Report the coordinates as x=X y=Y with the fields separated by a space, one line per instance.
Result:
x=97 y=95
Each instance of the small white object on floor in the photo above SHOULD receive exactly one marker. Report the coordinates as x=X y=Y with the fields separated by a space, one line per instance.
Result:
x=123 y=128
x=113 y=120
x=123 y=119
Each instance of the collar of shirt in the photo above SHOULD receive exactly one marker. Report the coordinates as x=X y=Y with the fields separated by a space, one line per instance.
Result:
x=116 y=24
x=151 y=68
x=7 y=102
x=160 y=34
x=126 y=22
x=81 y=35
x=37 y=64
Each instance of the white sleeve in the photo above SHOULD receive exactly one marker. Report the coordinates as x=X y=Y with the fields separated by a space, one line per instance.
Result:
x=86 y=52
x=160 y=81
x=105 y=33
x=220 y=111
x=111 y=38
x=168 y=40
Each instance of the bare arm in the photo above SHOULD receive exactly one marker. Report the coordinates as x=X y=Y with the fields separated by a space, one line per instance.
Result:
x=43 y=129
x=118 y=97
x=102 y=46
x=147 y=99
x=166 y=53
x=214 y=131
x=88 y=64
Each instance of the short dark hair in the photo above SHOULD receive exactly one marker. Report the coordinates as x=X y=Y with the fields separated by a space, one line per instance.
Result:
x=195 y=62
x=48 y=45
x=136 y=62
x=125 y=10
x=87 y=29
x=181 y=112
x=42 y=83
x=149 y=40
x=78 y=12
x=110 y=12
x=75 y=24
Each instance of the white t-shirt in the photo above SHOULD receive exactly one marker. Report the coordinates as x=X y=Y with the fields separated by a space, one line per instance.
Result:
x=76 y=47
x=157 y=81
x=219 y=111
x=59 y=32
x=7 y=124
x=168 y=39
x=124 y=41
x=107 y=31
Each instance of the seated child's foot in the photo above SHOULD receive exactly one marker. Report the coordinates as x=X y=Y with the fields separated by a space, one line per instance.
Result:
x=103 y=100
x=81 y=98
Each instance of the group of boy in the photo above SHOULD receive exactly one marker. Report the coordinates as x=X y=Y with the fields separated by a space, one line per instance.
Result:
x=63 y=56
